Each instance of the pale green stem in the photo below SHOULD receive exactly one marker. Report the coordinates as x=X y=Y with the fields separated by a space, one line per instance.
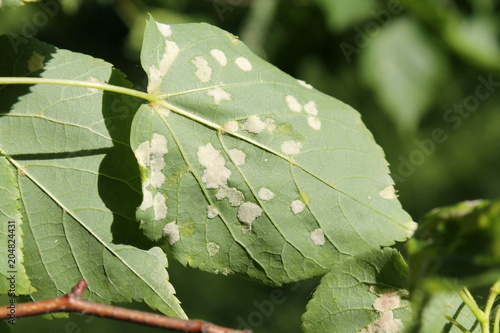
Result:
x=478 y=313
x=496 y=326
x=457 y=324
x=494 y=291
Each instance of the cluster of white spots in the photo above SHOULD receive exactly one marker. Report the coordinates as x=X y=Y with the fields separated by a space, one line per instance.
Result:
x=297 y=206
x=388 y=193
x=215 y=174
x=203 y=70
x=248 y=212
x=159 y=206
x=386 y=302
x=234 y=196
x=226 y=271
x=293 y=104
x=212 y=248
x=237 y=156
x=244 y=64
x=231 y=126
x=157 y=74
x=171 y=231
x=152 y=154
x=303 y=83
x=164 y=29
x=211 y=212
x=93 y=80
x=219 y=56
x=318 y=237
x=311 y=109
x=35 y=62
x=219 y=95
x=314 y=123
x=254 y=125
x=291 y=147
x=265 y=194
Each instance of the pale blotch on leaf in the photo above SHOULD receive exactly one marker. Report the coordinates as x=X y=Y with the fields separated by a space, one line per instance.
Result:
x=248 y=212
x=291 y=147
x=293 y=104
x=142 y=154
x=203 y=70
x=270 y=125
x=168 y=58
x=147 y=200
x=171 y=232
x=159 y=206
x=387 y=301
x=35 y=62
x=219 y=56
x=318 y=237
x=311 y=109
x=234 y=196
x=164 y=29
x=219 y=95
x=93 y=80
x=212 y=248
x=265 y=194
x=297 y=206
x=226 y=271
x=314 y=123
x=158 y=150
x=385 y=324
x=231 y=126
x=215 y=174
x=388 y=193
x=304 y=84
x=412 y=227
x=244 y=64
x=211 y=212
x=237 y=156
x=254 y=125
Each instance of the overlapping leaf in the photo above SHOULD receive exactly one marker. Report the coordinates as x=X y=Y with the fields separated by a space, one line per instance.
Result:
x=77 y=178
x=251 y=171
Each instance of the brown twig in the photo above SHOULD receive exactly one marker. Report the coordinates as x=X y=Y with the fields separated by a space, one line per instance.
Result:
x=72 y=302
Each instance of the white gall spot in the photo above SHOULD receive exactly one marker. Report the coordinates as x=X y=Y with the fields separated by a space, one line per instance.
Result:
x=387 y=301
x=310 y=108
x=212 y=248
x=314 y=123
x=159 y=207
x=234 y=196
x=35 y=62
x=254 y=125
x=248 y=212
x=231 y=126
x=303 y=83
x=169 y=56
x=203 y=70
x=265 y=194
x=164 y=29
x=142 y=154
x=147 y=200
x=291 y=147
x=158 y=145
x=211 y=212
x=293 y=104
x=388 y=193
x=244 y=64
x=171 y=231
x=219 y=56
x=318 y=237
x=215 y=174
x=297 y=206
x=219 y=95
x=237 y=156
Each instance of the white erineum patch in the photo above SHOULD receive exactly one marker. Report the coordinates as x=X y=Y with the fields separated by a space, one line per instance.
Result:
x=388 y=193
x=157 y=161
x=35 y=62
x=93 y=80
x=215 y=174
x=265 y=194
x=291 y=147
x=159 y=207
x=147 y=199
x=158 y=145
x=231 y=126
x=318 y=237
x=311 y=109
x=219 y=95
x=169 y=56
x=212 y=248
x=412 y=227
x=203 y=70
x=142 y=154
x=314 y=123
x=293 y=104
x=248 y=212
x=219 y=56
x=163 y=111
x=385 y=324
x=254 y=125
x=237 y=156
x=270 y=125
x=244 y=64
x=387 y=301
x=171 y=231
x=164 y=29
x=226 y=271
x=154 y=79
x=235 y=197
x=297 y=206
x=211 y=212
x=303 y=83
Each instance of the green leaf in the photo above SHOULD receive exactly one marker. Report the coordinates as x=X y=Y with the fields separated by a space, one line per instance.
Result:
x=342 y=15
x=78 y=179
x=405 y=68
x=248 y=170
x=11 y=241
x=457 y=245
x=362 y=294
x=14 y=3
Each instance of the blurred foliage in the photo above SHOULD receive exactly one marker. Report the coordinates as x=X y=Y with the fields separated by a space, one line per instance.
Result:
x=425 y=75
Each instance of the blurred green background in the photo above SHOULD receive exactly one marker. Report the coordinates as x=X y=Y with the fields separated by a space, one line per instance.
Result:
x=425 y=76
